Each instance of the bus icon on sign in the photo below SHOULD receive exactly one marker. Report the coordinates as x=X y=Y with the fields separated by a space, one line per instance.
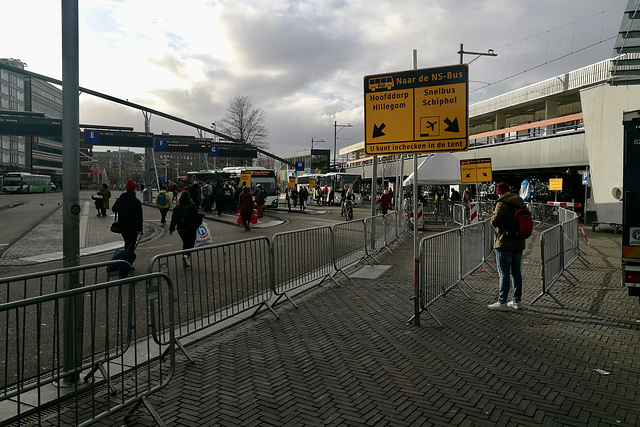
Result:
x=380 y=83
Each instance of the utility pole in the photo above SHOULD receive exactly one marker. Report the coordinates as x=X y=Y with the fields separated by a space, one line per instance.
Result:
x=335 y=138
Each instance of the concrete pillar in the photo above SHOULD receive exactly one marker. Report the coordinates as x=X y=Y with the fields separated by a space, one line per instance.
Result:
x=500 y=122
x=550 y=112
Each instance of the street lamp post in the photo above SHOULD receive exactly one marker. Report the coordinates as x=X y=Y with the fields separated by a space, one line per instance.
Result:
x=335 y=138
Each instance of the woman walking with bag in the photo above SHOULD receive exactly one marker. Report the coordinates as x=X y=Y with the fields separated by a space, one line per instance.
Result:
x=245 y=207
x=186 y=220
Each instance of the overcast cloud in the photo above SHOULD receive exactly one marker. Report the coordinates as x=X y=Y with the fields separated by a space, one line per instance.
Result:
x=302 y=62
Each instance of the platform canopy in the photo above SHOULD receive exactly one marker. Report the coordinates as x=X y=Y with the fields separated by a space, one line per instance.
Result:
x=438 y=168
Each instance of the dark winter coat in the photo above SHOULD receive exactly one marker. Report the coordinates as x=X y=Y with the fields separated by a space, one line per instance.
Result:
x=185 y=217
x=501 y=221
x=129 y=210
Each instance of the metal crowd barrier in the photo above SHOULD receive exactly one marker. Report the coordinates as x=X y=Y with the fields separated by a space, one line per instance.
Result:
x=46 y=282
x=223 y=281
x=559 y=249
x=473 y=244
x=439 y=260
x=349 y=245
x=460 y=214
x=391 y=232
x=71 y=332
x=551 y=241
x=301 y=257
x=375 y=242
x=25 y=286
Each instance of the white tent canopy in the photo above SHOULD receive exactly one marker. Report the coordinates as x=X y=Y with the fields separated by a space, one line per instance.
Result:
x=439 y=168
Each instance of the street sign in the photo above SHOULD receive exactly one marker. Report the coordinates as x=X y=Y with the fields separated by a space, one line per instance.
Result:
x=299 y=166
x=32 y=126
x=475 y=170
x=118 y=138
x=417 y=111
x=555 y=184
x=585 y=178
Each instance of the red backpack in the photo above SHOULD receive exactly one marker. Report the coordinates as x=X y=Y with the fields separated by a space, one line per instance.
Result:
x=521 y=224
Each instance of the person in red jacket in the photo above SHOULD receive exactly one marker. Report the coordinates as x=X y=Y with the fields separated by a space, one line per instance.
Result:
x=385 y=202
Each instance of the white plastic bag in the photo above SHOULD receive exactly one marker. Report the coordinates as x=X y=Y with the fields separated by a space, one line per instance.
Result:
x=204 y=235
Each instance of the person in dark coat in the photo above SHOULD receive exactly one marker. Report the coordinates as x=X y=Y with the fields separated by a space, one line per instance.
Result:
x=105 y=193
x=186 y=219
x=245 y=207
x=219 y=196
x=129 y=211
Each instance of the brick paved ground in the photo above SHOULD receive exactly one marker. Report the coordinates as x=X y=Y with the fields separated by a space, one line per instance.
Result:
x=346 y=356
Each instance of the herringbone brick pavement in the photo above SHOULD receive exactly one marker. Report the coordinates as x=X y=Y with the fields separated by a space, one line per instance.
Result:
x=347 y=356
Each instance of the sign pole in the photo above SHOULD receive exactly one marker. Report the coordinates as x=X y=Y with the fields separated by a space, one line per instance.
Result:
x=416 y=261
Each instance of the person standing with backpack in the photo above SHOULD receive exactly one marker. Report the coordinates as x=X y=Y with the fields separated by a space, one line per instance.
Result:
x=509 y=247
x=163 y=203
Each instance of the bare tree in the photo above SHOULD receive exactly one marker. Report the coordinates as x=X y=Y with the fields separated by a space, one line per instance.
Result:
x=245 y=122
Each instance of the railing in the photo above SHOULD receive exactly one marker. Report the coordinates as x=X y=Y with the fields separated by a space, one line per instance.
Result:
x=446 y=259
x=349 y=244
x=439 y=260
x=222 y=281
x=58 y=339
x=35 y=284
x=302 y=257
x=559 y=248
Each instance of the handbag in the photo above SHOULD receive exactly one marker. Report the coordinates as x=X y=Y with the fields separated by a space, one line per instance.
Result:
x=239 y=219
x=254 y=217
x=115 y=227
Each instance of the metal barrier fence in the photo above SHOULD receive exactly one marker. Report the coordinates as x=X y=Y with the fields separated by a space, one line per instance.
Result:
x=439 y=260
x=301 y=257
x=349 y=245
x=35 y=284
x=571 y=244
x=25 y=286
x=559 y=249
x=437 y=211
x=551 y=255
x=472 y=253
x=222 y=281
x=391 y=232
x=460 y=214
x=374 y=235
x=74 y=331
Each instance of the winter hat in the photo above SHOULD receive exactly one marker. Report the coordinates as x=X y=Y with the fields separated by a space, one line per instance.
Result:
x=503 y=187
x=131 y=186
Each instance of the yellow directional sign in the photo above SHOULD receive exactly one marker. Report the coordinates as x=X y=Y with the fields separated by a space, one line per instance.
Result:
x=417 y=111
x=475 y=170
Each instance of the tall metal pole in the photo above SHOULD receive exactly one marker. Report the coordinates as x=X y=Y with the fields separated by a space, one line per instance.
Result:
x=335 y=142
x=147 y=196
x=416 y=261
x=72 y=309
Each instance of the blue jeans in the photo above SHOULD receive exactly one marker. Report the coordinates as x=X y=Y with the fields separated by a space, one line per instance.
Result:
x=509 y=266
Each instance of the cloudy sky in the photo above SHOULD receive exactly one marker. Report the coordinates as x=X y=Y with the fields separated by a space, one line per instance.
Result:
x=301 y=61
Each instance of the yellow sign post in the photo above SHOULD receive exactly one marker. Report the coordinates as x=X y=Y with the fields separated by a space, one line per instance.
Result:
x=417 y=111
x=475 y=170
